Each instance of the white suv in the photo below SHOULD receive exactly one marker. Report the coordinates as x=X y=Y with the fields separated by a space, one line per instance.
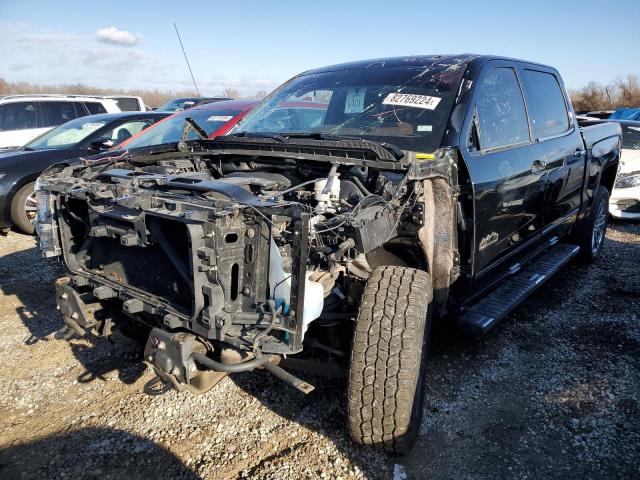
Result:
x=24 y=117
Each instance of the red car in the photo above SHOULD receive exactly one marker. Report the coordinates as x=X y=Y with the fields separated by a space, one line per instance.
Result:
x=214 y=118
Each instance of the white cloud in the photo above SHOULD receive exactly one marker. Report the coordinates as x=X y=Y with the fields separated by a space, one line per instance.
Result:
x=56 y=56
x=118 y=37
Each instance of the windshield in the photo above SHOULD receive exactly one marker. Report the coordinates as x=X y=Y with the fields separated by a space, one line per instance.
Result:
x=170 y=130
x=67 y=135
x=177 y=105
x=408 y=106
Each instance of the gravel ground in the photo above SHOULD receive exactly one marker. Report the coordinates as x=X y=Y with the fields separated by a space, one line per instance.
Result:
x=553 y=391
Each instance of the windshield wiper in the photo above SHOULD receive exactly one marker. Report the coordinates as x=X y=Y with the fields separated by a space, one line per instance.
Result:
x=317 y=136
x=190 y=124
x=273 y=136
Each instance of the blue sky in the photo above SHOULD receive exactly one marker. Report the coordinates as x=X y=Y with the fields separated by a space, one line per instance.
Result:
x=253 y=45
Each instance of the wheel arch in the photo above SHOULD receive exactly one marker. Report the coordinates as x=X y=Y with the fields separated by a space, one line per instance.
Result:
x=14 y=189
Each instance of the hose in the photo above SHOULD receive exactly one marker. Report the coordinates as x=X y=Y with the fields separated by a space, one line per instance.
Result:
x=202 y=359
x=360 y=185
x=272 y=309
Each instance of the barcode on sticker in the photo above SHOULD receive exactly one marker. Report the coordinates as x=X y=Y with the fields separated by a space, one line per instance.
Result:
x=409 y=100
x=219 y=118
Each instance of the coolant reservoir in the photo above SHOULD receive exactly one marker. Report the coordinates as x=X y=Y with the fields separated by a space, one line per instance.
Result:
x=280 y=283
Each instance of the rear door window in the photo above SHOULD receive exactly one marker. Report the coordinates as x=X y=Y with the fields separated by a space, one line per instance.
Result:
x=549 y=113
x=127 y=104
x=81 y=110
x=18 y=116
x=502 y=115
x=95 y=108
x=57 y=113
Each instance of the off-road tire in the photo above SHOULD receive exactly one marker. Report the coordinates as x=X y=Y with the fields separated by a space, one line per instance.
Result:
x=18 y=213
x=584 y=233
x=388 y=358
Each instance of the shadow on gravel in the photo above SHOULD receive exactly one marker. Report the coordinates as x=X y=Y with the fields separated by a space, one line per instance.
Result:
x=30 y=278
x=92 y=453
x=322 y=411
x=100 y=356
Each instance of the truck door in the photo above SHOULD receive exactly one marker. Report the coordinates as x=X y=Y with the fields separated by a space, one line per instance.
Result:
x=506 y=166
x=553 y=128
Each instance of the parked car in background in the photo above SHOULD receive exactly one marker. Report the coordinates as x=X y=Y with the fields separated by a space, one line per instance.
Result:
x=625 y=198
x=178 y=104
x=80 y=137
x=24 y=117
x=128 y=103
x=597 y=113
x=447 y=187
x=626 y=114
x=214 y=118
x=624 y=201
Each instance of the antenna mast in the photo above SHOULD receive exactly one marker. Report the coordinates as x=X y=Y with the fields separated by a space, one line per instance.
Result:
x=186 y=59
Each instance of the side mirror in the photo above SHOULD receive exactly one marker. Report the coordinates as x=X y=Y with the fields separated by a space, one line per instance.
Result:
x=101 y=145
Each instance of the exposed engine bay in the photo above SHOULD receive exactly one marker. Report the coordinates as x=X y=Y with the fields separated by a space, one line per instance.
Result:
x=243 y=254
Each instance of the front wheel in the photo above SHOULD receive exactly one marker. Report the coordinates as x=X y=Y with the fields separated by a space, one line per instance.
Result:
x=388 y=358
x=24 y=209
x=591 y=233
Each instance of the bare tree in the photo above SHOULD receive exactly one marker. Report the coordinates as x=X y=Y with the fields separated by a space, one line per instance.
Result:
x=261 y=94
x=623 y=92
x=231 y=93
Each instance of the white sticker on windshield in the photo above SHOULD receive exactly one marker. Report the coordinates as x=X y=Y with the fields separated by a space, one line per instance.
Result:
x=424 y=128
x=355 y=100
x=409 y=100
x=219 y=118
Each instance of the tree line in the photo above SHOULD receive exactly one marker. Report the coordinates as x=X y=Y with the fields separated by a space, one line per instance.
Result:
x=151 y=97
x=622 y=92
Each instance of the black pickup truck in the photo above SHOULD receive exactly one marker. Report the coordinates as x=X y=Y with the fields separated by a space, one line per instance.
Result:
x=350 y=209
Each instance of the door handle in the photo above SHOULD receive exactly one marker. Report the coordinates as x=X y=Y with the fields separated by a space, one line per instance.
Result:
x=538 y=166
x=576 y=156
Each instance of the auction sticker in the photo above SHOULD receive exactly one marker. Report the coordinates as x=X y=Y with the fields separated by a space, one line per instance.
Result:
x=219 y=118
x=410 y=100
x=355 y=100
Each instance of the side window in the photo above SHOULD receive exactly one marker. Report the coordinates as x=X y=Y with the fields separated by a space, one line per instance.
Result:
x=548 y=109
x=18 y=116
x=81 y=111
x=95 y=108
x=125 y=131
x=57 y=113
x=501 y=112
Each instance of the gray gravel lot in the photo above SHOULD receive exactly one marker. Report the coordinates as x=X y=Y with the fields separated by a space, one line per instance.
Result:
x=554 y=391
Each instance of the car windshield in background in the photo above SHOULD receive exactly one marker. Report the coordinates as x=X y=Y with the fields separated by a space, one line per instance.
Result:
x=177 y=105
x=408 y=106
x=67 y=135
x=170 y=131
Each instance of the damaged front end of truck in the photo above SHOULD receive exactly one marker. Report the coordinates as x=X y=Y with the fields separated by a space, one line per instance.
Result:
x=229 y=252
x=240 y=251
